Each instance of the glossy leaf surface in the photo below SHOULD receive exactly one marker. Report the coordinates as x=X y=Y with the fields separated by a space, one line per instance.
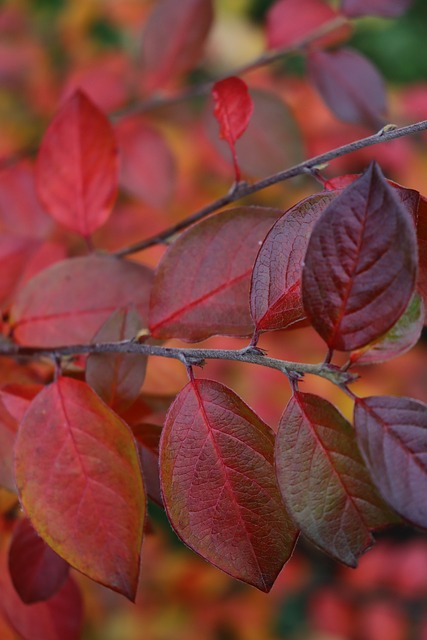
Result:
x=324 y=482
x=392 y=436
x=276 y=301
x=290 y=21
x=77 y=170
x=385 y=8
x=37 y=572
x=78 y=296
x=360 y=266
x=208 y=292
x=81 y=485
x=350 y=85
x=219 y=486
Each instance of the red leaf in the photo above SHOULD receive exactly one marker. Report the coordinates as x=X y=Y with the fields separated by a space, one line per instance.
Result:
x=350 y=85
x=37 y=572
x=324 y=482
x=208 y=292
x=392 y=436
x=218 y=484
x=233 y=110
x=289 y=22
x=81 y=484
x=15 y=253
x=77 y=166
x=78 y=296
x=8 y=430
x=174 y=37
x=147 y=438
x=275 y=290
x=117 y=377
x=385 y=8
x=147 y=165
x=360 y=266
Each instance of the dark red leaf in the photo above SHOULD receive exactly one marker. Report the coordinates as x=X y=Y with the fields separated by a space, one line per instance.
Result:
x=289 y=22
x=360 y=265
x=117 y=377
x=208 y=292
x=147 y=438
x=385 y=8
x=37 y=572
x=392 y=436
x=219 y=487
x=350 y=85
x=233 y=109
x=78 y=474
x=77 y=170
x=276 y=279
x=324 y=482
x=78 y=296
x=174 y=37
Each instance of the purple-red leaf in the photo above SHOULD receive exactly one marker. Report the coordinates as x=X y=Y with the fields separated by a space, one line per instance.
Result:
x=276 y=279
x=360 y=266
x=350 y=85
x=422 y=247
x=385 y=8
x=324 y=482
x=392 y=436
x=290 y=21
x=78 y=296
x=117 y=377
x=174 y=37
x=37 y=572
x=207 y=293
x=77 y=170
x=78 y=474
x=233 y=109
x=219 y=486
x=147 y=438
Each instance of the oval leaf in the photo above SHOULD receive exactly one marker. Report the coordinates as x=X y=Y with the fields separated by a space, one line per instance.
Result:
x=392 y=436
x=37 y=572
x=79 y=479
x=324 y=482
x=78 y=296
x=385 y=8
x=350 y=85
x=360 y=265
x=208 y=292
x=289 y=22
x=218 y=484
x=77 y=170
x=276 y=301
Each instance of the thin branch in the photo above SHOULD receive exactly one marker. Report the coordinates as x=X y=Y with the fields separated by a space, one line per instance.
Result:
x=196 y=357
x=242 y=189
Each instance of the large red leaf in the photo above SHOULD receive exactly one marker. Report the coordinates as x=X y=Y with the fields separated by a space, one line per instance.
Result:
x=324 y=482
x=276 y=279
x=117 y=377
x=291 y=21
x=233 y=109
x=360 y=265
x=208 y=292
x=80 y=483
x=77 y=170
x=385 y=8
x=37 y=572
x=219 y=487
x=147 y=438
x=69 y=301
x=174 y=37
x=392 y=435
x=350 y=85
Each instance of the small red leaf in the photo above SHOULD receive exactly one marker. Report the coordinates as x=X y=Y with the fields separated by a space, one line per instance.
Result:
x=385 y=8
x=276 y=279
x=77 y=166
x=350 y=85
x=79 y=479
x=78 y=296
x=360 y=265
x=117 y=377
x=218 y=484
x=392 y=436
x=173 y=41
x=208 y=292
x=147 y=438
x=233 y=110
x=290 y=21
x=324 y=482
x=37 y=572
